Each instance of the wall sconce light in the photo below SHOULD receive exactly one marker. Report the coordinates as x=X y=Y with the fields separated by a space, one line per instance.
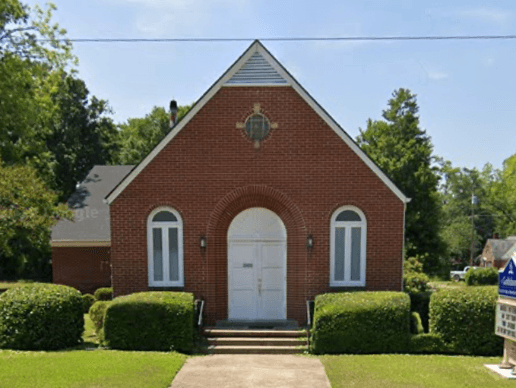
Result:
x=202 y=242
x=310 y=241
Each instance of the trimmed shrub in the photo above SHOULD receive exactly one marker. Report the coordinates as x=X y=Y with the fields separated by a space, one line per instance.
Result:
x=150 y=321
x=97 y=312
x=428 y=343
x=465 y=319
x=361 y=322
x=482 y=277
x=41 y=317
x=87 y=300
x=104 y=293
x=416 y=327
x=412 y=264
x=419 y=303
x=415 y=282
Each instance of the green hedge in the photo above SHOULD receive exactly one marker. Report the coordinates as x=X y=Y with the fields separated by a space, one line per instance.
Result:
x=361 y=322
x=97 y=312
x=465 y=319
x=41 y=317
x=105 y=293
x=428 y=343
x=150 y=321
x=87 y=300
x=482 y=277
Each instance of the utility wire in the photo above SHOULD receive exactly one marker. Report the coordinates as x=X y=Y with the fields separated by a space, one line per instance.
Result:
x=287 y=39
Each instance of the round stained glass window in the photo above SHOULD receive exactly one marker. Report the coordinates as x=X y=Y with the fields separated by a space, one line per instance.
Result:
x=257 y=127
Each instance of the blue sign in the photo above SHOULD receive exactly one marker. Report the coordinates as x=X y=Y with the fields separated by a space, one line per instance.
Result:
x=507 y=285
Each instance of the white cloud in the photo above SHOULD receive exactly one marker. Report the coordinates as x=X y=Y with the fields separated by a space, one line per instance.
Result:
x=488 y=61
x=487 y=15
x=498 y=17
x=437 y=75
x=184 y=18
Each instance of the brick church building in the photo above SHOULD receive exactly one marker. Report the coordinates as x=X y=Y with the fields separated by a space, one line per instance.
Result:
x=256 y=201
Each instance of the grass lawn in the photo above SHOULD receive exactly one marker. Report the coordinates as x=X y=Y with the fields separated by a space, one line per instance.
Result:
x=93 y=368
x=390 y=371
x=89 y=336
x=447 y=284
x=88 y=369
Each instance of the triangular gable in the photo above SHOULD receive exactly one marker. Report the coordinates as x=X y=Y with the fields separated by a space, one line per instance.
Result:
x=507 y=282
x=258 y=63
x=256 y=71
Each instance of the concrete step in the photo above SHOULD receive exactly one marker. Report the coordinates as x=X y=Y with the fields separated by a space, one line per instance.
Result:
x=221 y=349
x=257 y=341
x=215 y=332
x=258 y=324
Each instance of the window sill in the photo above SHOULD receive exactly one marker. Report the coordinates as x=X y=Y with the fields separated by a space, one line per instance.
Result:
x=348 y=285
x=167 y=284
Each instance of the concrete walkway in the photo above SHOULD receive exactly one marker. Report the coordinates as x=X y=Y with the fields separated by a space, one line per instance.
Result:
x=242 y=371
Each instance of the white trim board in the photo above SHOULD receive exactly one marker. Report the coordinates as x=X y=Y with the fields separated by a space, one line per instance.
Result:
x=79 y=243
x=256 y=46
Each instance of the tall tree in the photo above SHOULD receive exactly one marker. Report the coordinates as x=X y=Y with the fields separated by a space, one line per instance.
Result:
x=465 y=225
x=80 y=135
x=28 y=67
x=27 y=211
x=140 y=135
x=47 y=122
x=404 y=152
x=502 y=196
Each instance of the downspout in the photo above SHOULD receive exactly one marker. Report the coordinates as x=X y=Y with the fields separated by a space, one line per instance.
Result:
x=403 y=241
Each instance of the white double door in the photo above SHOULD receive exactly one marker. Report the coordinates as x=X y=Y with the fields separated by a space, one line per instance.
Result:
x=257 y=280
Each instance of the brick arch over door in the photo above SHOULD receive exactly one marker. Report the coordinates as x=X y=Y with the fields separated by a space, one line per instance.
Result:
x=216 y=266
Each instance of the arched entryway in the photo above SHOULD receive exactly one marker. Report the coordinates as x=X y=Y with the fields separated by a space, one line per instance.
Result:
x=257 y=261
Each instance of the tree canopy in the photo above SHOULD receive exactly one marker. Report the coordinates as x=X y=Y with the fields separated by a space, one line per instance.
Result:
x=27 y=211
x=403 y=151
x=138 y=136
x=51 y=133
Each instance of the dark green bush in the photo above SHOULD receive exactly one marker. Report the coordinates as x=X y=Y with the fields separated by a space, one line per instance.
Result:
x=41 y=317
x=465 y=319
x=97 y=312
x=104 y=293
x=412 y=264
x=88 y=301
x=482 y=277
x=419 y=302
x=416 y=327
x=150 y=321
x=415 y=282
x=361 y=322
x=428 y=343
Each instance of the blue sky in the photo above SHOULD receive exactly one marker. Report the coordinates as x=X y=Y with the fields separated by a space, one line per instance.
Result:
x=466 y=89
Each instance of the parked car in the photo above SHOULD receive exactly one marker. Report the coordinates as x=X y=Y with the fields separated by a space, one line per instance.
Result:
x=461 y=275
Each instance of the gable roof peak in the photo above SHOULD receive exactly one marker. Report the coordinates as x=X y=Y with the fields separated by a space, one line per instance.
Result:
x=256 y=67
x=271 y=73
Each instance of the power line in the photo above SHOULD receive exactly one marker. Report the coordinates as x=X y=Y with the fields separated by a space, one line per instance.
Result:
x=287 y=39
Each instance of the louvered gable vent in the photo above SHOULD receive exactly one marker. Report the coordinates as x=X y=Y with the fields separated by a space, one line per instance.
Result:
x=257 y=71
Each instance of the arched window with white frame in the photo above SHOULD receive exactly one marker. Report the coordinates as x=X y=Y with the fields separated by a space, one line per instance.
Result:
x=165 y=248
x=348 y=247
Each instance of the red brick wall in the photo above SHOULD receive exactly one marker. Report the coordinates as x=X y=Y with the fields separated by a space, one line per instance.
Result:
x=211 y=171
x=84 y=268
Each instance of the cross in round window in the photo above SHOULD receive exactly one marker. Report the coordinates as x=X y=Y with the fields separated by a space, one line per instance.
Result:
x=257 y=126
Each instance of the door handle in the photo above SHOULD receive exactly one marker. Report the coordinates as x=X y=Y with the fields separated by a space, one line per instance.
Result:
x=259 y=286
